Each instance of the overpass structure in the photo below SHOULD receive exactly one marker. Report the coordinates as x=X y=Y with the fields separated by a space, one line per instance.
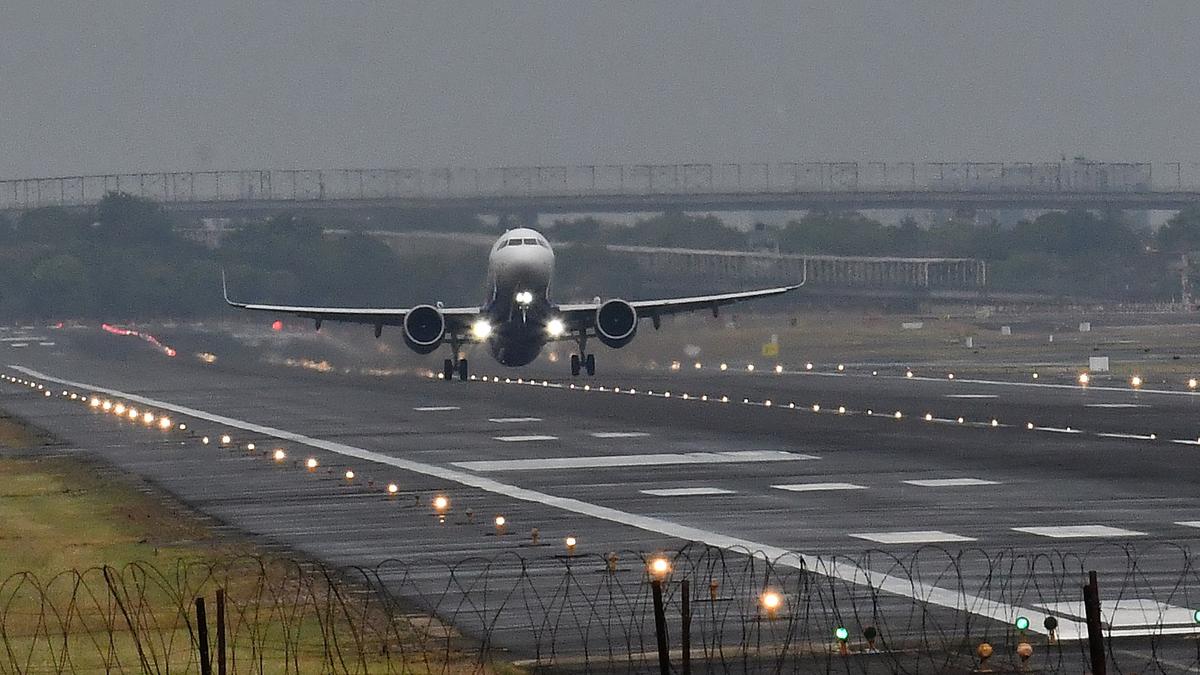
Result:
x=639 y=188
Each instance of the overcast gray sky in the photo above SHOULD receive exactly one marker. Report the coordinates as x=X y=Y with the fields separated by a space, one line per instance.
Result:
x=120 y=85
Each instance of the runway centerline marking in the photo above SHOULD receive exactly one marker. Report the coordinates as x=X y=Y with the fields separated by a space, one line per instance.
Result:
x=1078 y=531
x=436 y=408
x=972 y=396
x=818 y=487
x=687 y=492
x=1188 y=523
x=525 y=439
x=911 y=537
x=838 y=568
x=950 y=482
x=619 y=434
x=655 y=459
x=1116 y=405
x=513 y=420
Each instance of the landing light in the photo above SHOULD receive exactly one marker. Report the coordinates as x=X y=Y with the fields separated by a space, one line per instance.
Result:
x=555 y=328
x=481 y=329
x=524 y=298
x=1135 y=381
x=1084 y=378
x=1192 y=383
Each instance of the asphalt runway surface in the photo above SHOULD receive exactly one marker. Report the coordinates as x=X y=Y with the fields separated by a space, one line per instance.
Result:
x=673 y=457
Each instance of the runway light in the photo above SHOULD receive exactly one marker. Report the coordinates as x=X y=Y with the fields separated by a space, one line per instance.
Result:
x=1192 y=383
x=698 y=366
x=816 y=407
x=440 y=503
x=1135 y=381
x=724 y=366
x=251 y=447
x=908 y=373
x=995 y=423
x=74 y=397
x=660 y=567
x=133 y=413
x=148 y=418
x=95 y=403
x=119 y=409
x=392 y=488
x=841 y=410
x=704 y=397
x=928 y=417
x=349 y=474
x=841 y=634
x=164 y=423
x=311 y=464
x=808 y=366
x=1196 y=616
x=1035 y=376
x=204 y=440
x=501 y=524
x=47 y=393
x=767 y=403
x=897 y=415
x=961 y=420
x=841 y=368
x=1084 y=378
x=778 y=369
x=750 y=368
x=226 y=440
x=182 y=427
x=1022 y=624
x=571 y=542
x=950 y=376
x=280 y=455
x=1029 y=425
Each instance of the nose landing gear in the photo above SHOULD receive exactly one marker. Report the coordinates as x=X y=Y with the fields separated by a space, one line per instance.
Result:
x=453 y=365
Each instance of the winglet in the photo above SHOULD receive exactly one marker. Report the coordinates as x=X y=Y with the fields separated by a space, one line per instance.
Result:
x=225 y=289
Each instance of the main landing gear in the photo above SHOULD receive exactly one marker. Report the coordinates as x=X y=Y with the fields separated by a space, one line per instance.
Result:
x=450 y=367
x=583 y=360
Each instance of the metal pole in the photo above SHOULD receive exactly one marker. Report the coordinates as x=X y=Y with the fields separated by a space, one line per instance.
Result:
x=1091 y=605
x=660 y=628
x=202 y=630
x=221 y=631
x=686 y=637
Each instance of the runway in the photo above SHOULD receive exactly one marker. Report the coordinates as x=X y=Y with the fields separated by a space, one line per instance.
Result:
x=818 y=464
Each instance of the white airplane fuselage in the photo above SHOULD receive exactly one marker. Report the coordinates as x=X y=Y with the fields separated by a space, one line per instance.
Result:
x=518 y=308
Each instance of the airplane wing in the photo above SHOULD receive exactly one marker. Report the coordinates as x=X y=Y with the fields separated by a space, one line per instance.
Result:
x=582 y=314
x=457 y=318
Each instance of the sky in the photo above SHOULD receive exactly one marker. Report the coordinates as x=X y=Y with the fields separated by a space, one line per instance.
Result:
x=121 y=85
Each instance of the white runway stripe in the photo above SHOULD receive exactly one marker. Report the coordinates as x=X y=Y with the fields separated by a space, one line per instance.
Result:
x=658 y=459
x=1189 y=523
x=436 y=408
x=911 y=537
x=971 y=396
x=1078 y=531
x=687 y=492
x=950 y=482
x=525 y=439
x=1116 y=405
x=818 y=487
x=513 y=420
x=952 y=598
x=619 y=434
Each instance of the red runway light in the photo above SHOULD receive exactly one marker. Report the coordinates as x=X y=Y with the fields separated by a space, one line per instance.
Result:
x=277 y=326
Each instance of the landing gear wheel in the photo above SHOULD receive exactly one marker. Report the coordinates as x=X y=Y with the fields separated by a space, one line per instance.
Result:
x=447 y=370
x=575 y=365
x=462 y=370
x=590 y=364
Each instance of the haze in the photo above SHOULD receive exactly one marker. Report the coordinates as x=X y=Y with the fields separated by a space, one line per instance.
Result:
x=131 y=86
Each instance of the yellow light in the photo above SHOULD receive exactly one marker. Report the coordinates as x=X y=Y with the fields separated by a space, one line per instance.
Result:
x=724 y=366
x=393 y=488
x=280 y=455
x=95 y=403
x=148 y=418
x=349 y=474
x=119 y=409
x=771 y=601
x=311 y=463
x=500 y=521
x=164 y=423
x=571 y=544
x=1135 y=381
x=481 y=329
x=778 y=368
x=440 y=503
x=133 y=414
x=1084 y=378
x=750 y=368
x=107 y=405
x=226 y=440
x=660 y=567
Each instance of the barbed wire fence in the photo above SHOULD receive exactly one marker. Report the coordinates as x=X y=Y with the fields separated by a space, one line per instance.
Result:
x=736 y=611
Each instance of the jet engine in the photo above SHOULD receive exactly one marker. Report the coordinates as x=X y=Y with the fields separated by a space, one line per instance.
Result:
x=424 y=327
x=616 y=323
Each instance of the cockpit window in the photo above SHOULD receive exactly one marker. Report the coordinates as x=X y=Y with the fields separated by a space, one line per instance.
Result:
x=542 y=242
x=514 y=242
x=531 y=242
x=502 y=244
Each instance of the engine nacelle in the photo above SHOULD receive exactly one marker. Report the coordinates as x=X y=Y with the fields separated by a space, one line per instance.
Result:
x=424 y=328
x=616 y=323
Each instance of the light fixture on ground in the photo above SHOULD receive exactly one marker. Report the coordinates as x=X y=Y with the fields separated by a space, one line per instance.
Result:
x=441 y=503
x=349 y=474
x=1192 y=383
x=1135 y=381
x=280 y=455
x=501 y=524
x=659 y=567
x=1084 y=379
x=571 y=542
x=164 y=423
x=392 y=488
x=771 y=601
x=226 y=440
x=311 y=463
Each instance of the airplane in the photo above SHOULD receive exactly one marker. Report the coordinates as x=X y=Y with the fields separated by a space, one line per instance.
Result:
x=518 y=318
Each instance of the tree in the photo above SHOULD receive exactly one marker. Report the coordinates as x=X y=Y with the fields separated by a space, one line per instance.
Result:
x=1181 y=234
x=126 y=217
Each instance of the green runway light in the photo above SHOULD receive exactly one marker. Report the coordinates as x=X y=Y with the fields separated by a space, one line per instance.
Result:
x=1022 y=623
x=1196 y=616
x=841 y=633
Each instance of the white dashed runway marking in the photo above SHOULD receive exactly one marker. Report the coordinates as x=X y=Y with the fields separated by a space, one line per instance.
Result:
x=1078 y=531
x=525 y=439
x=658 y=459
x=436 y=408
x=513 y=420
x=619 y=434
x=1189 y=523
x=818 y=487
x=687 y=492
x=971 y=396
x=1116 y=405
x=911 y=537
x=950 y=482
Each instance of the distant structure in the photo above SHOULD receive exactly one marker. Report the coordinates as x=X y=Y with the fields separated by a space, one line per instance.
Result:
x=521 y=193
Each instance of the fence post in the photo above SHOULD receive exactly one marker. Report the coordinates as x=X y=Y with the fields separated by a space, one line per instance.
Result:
x=686 y=636
x=202 y=631
x=660 y=628
x=221 y=631
x=1091 y=606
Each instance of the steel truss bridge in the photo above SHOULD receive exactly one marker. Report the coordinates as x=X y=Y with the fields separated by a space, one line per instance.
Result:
x=643 y=187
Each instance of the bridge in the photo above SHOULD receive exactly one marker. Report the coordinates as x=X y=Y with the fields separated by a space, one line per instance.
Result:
x=635 y=188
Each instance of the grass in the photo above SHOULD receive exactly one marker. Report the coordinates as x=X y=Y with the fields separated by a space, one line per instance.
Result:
x=97 y=575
